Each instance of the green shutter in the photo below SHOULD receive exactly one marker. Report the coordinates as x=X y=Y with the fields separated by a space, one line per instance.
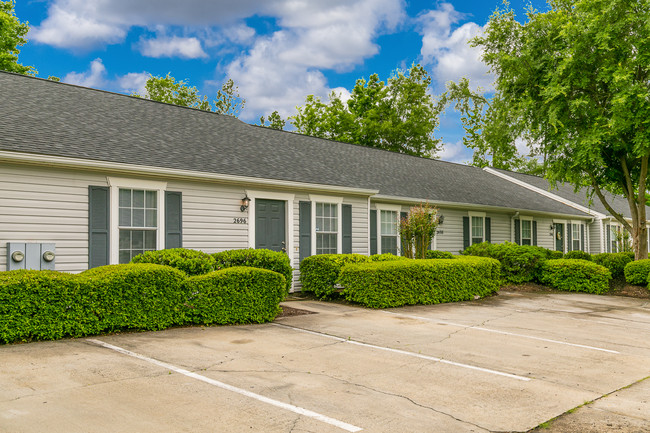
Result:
x=373 y=232
x=402 y=216
x=98 y=226
x=488 y=230
x=582 y=237
x=569 y=237
x=466 y=240
x=173 y=219
x=608 y=247
x=346 y=214
x=304 y=221
x=535 y=233
x=518 y=231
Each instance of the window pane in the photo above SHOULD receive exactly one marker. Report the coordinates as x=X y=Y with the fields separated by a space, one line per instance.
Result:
x=389 y=244
x=525 y=230
x=151 y=199
x=137 y=239
x=125 y=239
x=138 y=198
x=477 y=240
x=326 y=243
x=150 y=240
x=125 y=198
x=150 y=218
x=477 y=228
x=125 y=217
x=388 y=223
x=125 y=256
x=138 y=218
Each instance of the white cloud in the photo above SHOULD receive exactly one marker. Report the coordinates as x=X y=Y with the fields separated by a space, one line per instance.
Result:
x=187 y=48
x=133 y=82
x=448 y=51
x=455 y=152
x=95 y=77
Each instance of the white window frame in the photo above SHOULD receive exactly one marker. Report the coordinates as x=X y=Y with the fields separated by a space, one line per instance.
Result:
x=521 y=229
x=391 y=208
x=612 y=240
x=289 y=224
x=338 y=201
x=579 y=238
x=117 y=183
x=477 y=215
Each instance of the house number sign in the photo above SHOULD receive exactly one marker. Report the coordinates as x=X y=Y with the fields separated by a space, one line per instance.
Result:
x=239 y=221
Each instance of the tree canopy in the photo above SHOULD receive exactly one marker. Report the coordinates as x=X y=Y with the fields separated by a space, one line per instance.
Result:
x=576 y=79
x=167 y=89
x=400 y=115
x=12 y=36
x=275 y=121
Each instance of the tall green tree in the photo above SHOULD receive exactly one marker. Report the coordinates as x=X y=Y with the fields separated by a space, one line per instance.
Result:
x=275 y=121
x=167 y=89
x=400 y=115
x=12 y=36
x=577 y=79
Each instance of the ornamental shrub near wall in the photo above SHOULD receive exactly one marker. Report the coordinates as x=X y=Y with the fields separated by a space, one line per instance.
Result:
x=318 y=274
x=234 y=295
x=615 y=262
x=575 y=275
x=386 y=257
x=637 y=272
x=519 y=263
x=397 y=283
x=140 y=296
x=578 y=255
x=44 y=305
x=435 y=254
x=192 y=262
x=260 y=258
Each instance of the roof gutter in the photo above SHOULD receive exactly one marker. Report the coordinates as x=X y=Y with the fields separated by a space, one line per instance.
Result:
x=133 y=169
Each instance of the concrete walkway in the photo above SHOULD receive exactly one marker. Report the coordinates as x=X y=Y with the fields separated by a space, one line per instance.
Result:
x=502 y=364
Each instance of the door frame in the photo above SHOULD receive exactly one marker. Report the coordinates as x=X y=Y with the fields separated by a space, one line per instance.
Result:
x=564 y=234
x=288 y=200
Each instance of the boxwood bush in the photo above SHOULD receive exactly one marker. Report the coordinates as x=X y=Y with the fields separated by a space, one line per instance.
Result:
x=637 y=272
x=192 y=262
x=575 y=275
x=615 y=262
x=396 y=283
x=519 y=263
x=234 y=295
x=141 y=296
x=578 y=255
x=260 y=258
x=44 y=305
x=435 y=254
x=318 y=274
x=386 y=257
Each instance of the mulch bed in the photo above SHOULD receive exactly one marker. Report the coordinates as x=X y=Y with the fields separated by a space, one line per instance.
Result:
x=618 y=288
x=290 y=311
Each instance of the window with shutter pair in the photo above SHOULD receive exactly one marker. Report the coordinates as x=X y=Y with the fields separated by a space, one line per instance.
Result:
x=477 y=228
x=326 y=229
x=525 y=231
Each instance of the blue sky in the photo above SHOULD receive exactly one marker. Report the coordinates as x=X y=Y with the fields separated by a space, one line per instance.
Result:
x=276 y=51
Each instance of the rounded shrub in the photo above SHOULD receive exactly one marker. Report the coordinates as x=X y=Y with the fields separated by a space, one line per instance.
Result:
x=239 y=294
x=318 y=274
x=575 y=275
x=637 y=272
x=192 y=262
x=261 y=258
x=615 y=262
x=435 y=254
x=408 y=282
x=554 y=255
x=577 y=255
x=44 y=305
x=386 y=257
x=142 y=296
x=519 y=263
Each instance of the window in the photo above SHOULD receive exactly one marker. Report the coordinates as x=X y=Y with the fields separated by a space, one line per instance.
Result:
x=478 y=232
x=327 y=228
x=575 y=237
x=138 y=222
x=613 y=237
x=388 y=222
x=526 y=232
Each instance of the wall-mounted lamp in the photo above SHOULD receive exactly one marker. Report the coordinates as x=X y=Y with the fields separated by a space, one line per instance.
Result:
x=244 y=203
x=552 y=226
x=441 y=219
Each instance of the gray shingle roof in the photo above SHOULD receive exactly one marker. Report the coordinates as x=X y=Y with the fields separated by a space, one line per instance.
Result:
x=567 y=191
x=49 y=118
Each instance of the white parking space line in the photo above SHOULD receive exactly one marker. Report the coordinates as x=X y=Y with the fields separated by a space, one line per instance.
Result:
x=404 y=352
x=496 y=331
x=295 y=409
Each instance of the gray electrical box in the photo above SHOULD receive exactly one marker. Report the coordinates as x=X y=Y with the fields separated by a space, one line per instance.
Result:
x=23 y=255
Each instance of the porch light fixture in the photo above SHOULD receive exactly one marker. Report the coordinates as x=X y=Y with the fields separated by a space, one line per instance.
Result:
x=552 y=227
x=441 y=219
x=244 y=203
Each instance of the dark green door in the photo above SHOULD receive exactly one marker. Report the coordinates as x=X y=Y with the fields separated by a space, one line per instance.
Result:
x=559 y=237
x=270 y=224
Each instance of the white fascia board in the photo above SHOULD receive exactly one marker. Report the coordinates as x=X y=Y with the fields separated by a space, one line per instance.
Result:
x=133 y=169
x=472 y=206
x=545 y=193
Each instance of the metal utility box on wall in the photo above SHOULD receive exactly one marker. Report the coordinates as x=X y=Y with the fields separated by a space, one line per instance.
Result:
x=38 y=256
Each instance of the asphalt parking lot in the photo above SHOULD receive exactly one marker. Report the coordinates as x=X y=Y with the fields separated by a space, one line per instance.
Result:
x=502 y=364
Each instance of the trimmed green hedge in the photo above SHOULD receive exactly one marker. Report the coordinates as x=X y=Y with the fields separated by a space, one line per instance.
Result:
x=519 y=263
x=435 y=254
x=260 y=258
x=615 y=262
x=386 y=257
x=577 y=255
x=396 y=283
x=318 y=274
x=192 y=262
x=141 y=296
x=44 y=305
x=575 y=275
x=637 y=272
x=234 y=295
